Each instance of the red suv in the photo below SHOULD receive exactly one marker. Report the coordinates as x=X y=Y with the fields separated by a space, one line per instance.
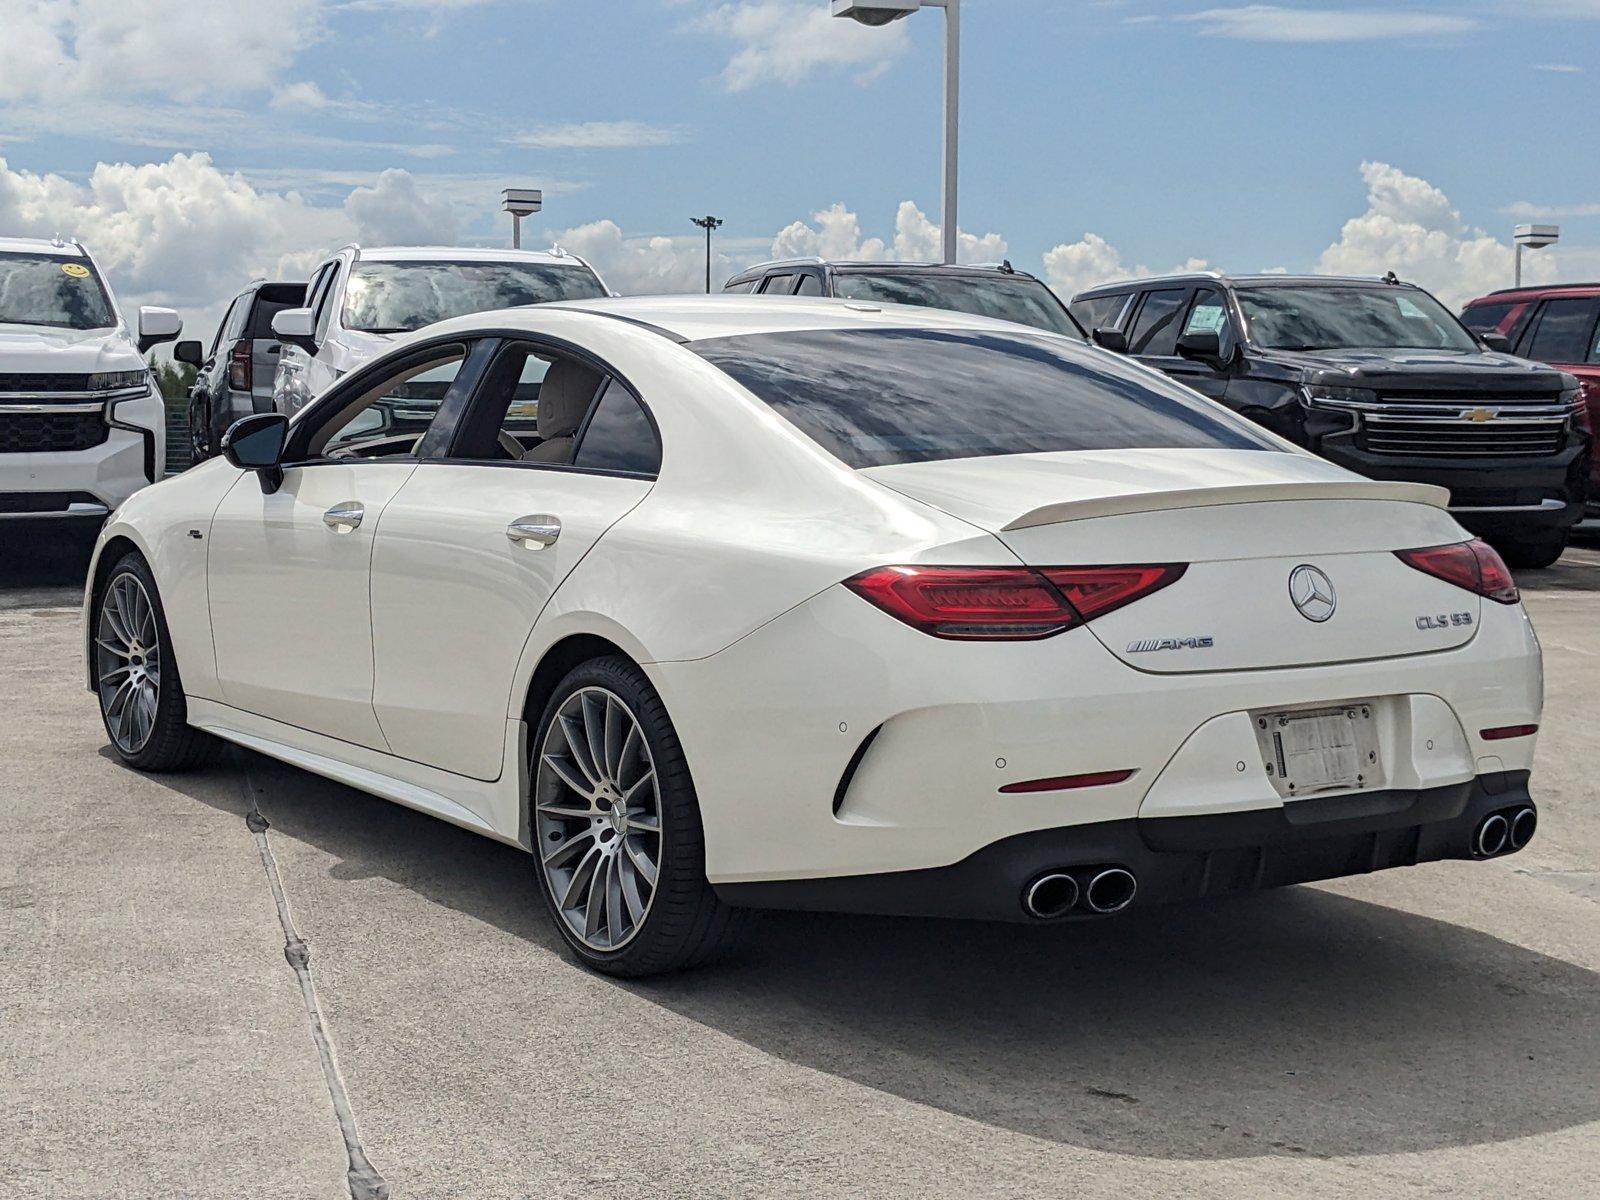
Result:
x=1557 y=324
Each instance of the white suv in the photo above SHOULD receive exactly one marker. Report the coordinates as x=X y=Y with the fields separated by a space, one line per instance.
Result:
x=358 y=300
x=82 y=424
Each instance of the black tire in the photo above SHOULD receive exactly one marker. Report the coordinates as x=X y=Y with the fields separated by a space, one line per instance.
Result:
x=1531 y=555
x=171 y=744
x=685 y=924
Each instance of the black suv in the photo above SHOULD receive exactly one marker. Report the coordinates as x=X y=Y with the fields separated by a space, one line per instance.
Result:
x=236 y=376
x=1377 y=376
x=987 y=291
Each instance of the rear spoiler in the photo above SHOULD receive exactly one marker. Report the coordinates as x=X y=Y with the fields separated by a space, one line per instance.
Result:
x=1242 y=493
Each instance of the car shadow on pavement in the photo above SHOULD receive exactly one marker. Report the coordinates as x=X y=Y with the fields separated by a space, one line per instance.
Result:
x=1295 y=1022
x=44 y=562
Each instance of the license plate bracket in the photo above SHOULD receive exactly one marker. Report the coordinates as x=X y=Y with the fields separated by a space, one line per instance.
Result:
x=1313 y=751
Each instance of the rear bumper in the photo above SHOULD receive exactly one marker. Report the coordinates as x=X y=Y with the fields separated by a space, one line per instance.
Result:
x=1174 y=859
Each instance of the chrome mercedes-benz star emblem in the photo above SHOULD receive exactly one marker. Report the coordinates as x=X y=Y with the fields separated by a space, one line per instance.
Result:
x=1312 y=594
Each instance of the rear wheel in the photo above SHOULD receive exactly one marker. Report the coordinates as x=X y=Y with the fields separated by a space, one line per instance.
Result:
x=1531 y=553
x=136 y=679
x=616 y=828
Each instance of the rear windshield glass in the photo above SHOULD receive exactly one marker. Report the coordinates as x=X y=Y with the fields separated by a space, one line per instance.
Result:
x=394 y=297
x=1007 y=297
x=48 y=289
x=1350 y=318
x=272 y=299
x=877 y=396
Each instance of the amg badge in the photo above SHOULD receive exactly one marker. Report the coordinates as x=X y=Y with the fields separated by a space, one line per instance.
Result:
x=1184 y=643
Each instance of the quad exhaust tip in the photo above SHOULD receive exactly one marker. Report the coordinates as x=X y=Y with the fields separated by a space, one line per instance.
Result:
x=1523 y=823
x=1051 y=895
x=1110 y=891
x=1492 y=836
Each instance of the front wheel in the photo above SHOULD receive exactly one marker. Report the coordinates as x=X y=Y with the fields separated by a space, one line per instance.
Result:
x=136 y=679
x=616 y=828
x=1532 y=554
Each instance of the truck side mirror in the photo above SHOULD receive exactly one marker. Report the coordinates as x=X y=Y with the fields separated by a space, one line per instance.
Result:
x=297 y=327
x=157 y=325
x=190 y=352
x=1111 y=339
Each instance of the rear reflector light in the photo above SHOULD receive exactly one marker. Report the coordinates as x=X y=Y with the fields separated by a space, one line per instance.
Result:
x=239 y=366
x=1472 y=565
x=1062 y=783
x=1501 y=732
x=1006 y=603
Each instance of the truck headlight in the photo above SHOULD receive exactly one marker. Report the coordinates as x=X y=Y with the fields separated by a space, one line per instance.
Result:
x=118 y=381
x=1319 y=395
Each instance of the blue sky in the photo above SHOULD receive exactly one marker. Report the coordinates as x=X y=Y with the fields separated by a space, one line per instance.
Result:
x=1170 y=132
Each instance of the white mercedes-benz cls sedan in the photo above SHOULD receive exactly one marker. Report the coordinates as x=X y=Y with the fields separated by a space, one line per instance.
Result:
x=714 y=604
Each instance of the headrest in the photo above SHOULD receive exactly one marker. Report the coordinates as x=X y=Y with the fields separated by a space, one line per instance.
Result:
x=564 y=397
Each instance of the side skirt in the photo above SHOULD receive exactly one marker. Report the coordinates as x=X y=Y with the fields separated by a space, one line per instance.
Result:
x=496 y=809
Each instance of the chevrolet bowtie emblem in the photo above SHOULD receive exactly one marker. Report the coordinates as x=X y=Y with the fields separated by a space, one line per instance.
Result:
x=1479 y=414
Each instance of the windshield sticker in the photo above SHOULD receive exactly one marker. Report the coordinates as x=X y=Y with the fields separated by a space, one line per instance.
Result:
x=76 y=270
x=1207 y=318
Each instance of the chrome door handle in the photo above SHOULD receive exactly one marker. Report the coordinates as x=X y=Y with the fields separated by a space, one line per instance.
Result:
x=535 y=532
x=344 y=516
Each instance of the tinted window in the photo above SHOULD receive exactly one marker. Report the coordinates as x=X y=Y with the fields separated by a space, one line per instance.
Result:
x=877 y=396
x=58 y=290
x=810 y=285
x=228 y=320
x=1488 y=318
x=395 y=297
x=619 y=436
x=1565 y=330
x=1350 y=318
x=748 y=285
x=778 y=285
x=1006 y=297
x=1099 y=312
x=1155 y=331
x=1209 y=314
x=389 y=418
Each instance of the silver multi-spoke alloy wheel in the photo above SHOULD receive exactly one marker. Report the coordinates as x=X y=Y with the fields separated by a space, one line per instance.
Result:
x=128 y=662
x=598 y=818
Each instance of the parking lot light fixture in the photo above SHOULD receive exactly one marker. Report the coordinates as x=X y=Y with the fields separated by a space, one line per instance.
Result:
x=1534 y=237
x=708 y=223
x=881 y=12
x=520 y=202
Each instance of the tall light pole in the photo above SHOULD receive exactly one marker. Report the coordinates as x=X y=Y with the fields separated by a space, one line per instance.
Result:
x=708 y=223
x=1533 y=237
x=881 y=12
x=520 y=202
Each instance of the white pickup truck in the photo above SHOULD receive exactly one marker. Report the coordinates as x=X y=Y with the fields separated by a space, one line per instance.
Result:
x=82 y=424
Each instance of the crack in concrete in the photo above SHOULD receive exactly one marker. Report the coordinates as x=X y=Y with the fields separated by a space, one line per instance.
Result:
x=363 y=1178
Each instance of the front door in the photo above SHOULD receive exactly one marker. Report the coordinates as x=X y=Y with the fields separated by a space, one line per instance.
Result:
x=1207 y=313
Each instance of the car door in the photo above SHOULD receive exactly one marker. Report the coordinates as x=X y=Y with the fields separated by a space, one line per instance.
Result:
x=1153 y=336
x=289 y=572
x=291 y=385
x=475 y=543
x=1206 y=312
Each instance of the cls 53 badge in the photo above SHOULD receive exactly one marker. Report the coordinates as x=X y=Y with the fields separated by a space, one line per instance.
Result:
x=1443 y=620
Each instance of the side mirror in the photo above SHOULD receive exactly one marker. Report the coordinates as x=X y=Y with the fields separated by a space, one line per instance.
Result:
x=1496 y=341
x=157 y=325
x=1111 y=339
x=255 y=443
x=190 y=352
x=1204 y=345
x=297 y=327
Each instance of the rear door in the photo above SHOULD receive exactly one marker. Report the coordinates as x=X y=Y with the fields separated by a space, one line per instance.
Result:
x=1565 y=333
x=476 y=542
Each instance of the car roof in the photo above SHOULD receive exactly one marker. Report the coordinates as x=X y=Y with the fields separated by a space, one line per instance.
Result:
x=1260 y=279
x=464 y=254
x=1537 y=291
x=861 y=266
x=692 y=318
x=14 y=245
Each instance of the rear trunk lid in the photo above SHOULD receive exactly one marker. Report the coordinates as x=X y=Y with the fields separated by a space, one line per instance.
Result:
x=1290 y=559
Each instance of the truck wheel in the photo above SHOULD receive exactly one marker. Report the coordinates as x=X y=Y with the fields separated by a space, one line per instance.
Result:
x=1531 y=554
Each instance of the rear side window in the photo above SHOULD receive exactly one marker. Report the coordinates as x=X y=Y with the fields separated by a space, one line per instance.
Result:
x=1565 y=332
x=778 y=285
x=1155 y=331
x=872 y=397
x=810 y=285
x=748 y=285
x=619 y=437
x=270 y=301
x=1492 y=318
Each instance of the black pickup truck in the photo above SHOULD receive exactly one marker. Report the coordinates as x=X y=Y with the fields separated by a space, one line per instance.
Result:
x=1377 y=376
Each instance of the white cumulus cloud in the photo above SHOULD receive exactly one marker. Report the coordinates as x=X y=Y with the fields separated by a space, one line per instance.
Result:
x=784 y=41
x=835 y=233
x=1070 y=267
x=648 y=265
x=394 y=212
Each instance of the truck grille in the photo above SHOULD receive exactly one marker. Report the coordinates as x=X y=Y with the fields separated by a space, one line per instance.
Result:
x=42 y=385
x=38 y=433
x=1449 y=439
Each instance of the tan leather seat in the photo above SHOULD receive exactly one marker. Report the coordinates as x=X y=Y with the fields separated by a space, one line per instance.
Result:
x=564 y=399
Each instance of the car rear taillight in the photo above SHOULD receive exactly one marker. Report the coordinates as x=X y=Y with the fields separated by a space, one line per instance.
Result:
x=1472 y=565
x=1005 y=603
x=239 y=366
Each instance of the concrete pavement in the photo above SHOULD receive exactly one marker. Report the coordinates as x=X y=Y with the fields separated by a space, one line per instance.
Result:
x=1430 y=1031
